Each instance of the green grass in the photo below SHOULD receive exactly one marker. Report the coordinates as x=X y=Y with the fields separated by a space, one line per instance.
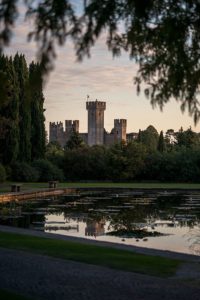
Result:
x=7 y=295
x=92 y=254
x=5 y=187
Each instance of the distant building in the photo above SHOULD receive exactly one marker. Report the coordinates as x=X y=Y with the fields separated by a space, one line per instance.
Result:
x=96 y=135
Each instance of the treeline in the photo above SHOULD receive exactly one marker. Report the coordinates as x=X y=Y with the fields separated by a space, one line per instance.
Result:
x=22 y=130
x=172 y=157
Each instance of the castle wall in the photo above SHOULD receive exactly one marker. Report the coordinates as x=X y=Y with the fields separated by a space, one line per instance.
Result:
x=132 y=136
x=109 y=139
x=57 y=132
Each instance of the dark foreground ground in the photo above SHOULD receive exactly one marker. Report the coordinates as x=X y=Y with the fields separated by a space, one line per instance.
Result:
x=42 y=277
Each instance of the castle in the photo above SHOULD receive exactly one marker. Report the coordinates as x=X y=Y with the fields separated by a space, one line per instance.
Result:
x=96 y=134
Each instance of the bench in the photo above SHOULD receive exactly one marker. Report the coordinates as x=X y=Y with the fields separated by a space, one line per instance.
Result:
x=15 y=188
x=53 y=184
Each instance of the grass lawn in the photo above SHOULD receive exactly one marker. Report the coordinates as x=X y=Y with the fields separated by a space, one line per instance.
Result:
x=92 y=254
x=5 y=187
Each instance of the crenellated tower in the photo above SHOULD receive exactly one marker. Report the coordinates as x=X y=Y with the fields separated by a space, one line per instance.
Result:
x=120 y=130
x=95 y=122
x=71 y=126
x=56 y=132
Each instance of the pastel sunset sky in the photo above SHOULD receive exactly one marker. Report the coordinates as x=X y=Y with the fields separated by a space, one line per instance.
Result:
x=102 y=78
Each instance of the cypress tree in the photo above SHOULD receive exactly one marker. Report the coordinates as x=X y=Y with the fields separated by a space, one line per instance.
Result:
x=139 y=137
x=24 y=108
x=161 y=143
x=9 y=112
x=37 y=112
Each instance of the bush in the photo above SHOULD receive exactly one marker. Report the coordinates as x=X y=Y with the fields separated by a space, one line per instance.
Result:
x=2 y=173
x=22 y=171
x=47 y=171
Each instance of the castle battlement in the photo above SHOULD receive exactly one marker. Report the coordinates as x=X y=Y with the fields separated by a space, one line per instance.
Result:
x=120 y=122
x=56 y=125
x=71 y=125
x=93 y=105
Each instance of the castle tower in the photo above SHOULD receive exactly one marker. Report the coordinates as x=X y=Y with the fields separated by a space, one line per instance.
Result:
x=120 y=130
x=95 y=122
x=56 y=132
x=71 y=126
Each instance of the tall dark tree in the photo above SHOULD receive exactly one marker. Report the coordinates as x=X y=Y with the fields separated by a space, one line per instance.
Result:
x=9 y=111
x=161 y=143
x=37 y=112
x=24 y=108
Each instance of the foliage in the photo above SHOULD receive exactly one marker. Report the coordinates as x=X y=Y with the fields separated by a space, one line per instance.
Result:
x=136 y=161
x=162 y=36
x=74 y=142
x=47 y=171
x=187 y=138
x=37 y=111
x=161 y=143
x=2 y=173
x=9 y=112
x=149 y=137
x=22 y=132
x=22 y=171
x=55 y=154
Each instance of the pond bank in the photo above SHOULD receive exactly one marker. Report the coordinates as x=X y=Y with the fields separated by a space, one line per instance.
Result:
x=6 y=197
x=44 y=192
x=136 y=249
x=35 y=192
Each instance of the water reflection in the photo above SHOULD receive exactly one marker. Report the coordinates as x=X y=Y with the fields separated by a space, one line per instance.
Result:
x=94 y=228
x=169 y=220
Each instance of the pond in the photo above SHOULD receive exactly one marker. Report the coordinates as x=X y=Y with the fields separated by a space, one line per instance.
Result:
x=160 y=220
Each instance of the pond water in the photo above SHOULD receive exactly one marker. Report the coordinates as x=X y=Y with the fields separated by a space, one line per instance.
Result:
x=167 y=220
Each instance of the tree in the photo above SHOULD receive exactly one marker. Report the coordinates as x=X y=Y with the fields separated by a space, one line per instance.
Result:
x=24 y=108
x=9 y=111
x=74 y=142
x=22 y=131
x=162 y=36
x=187 y=138
x=135 y=154
x=161 y=143
x=37 y=112
x=149 y=138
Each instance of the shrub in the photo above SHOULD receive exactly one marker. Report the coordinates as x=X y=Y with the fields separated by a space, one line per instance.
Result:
x=47 y=171
x=2 y=173
x=22 y=171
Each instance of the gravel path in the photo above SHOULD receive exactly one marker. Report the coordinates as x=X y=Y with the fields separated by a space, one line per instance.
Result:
x=42 y=277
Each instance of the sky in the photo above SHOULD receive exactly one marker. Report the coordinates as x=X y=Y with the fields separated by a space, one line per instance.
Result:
x=102 y=77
